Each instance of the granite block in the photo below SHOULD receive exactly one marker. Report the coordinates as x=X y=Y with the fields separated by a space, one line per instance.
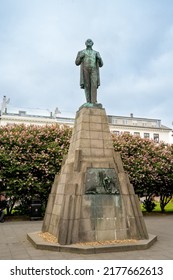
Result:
x=74 y=216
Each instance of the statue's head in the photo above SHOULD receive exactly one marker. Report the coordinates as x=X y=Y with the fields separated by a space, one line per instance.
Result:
x=89 y=43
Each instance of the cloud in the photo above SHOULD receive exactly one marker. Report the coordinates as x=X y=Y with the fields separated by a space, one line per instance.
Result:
x=40 y=40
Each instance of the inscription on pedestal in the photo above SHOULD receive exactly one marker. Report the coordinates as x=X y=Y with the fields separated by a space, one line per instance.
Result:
x=101 y=181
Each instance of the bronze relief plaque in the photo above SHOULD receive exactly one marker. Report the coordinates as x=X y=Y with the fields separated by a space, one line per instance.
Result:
x=101 y=181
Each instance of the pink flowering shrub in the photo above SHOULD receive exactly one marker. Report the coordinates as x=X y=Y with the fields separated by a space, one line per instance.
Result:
x=30 y=156
x=149 y=165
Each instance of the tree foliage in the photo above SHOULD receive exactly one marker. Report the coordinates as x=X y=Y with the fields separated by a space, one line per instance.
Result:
x=30 y=156
x=149 y=165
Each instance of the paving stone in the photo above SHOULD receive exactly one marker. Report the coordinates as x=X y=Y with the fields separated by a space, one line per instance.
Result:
x=160 y=225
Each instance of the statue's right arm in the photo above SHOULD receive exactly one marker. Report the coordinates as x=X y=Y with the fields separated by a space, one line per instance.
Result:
x=79 y=58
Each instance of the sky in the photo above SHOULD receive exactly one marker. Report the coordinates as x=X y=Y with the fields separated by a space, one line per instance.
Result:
x=39 y=41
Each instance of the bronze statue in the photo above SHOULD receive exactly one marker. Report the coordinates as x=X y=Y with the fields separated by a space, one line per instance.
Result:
x=90 y=62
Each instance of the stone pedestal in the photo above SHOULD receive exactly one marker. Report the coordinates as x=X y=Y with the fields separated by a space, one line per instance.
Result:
x=92 y=199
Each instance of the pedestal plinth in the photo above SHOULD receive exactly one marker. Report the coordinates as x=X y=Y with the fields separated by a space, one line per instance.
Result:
x=92 y=199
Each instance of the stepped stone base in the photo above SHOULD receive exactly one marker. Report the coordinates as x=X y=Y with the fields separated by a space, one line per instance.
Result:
x=41 y=244
x=91 y=198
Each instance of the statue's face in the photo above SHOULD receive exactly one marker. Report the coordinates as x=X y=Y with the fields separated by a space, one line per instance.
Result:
x=89 y=43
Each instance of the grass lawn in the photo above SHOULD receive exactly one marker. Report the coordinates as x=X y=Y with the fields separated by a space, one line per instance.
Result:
x=168 y=208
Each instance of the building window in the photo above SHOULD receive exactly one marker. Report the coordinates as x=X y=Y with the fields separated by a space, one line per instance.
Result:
x=156 y=137
x=116 y=132
x=22 y=113
x=146 y=135
x=137 y=133
x=125 y=122
x=114 y=121
x=135 y=123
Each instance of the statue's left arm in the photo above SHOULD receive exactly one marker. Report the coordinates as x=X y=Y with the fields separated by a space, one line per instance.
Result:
x=99 y=59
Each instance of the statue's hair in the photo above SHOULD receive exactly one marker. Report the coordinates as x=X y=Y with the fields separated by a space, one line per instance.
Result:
x=89 y=40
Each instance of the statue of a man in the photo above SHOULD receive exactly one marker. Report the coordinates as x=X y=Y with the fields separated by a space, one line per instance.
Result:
x=90 y=62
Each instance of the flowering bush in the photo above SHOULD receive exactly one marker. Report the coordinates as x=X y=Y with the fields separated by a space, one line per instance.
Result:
x=30 y=156
x=149 y=165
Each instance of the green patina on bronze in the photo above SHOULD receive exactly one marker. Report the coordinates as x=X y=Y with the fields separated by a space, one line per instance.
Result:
x=91 y=105
x=90 y=61
x=101 y=181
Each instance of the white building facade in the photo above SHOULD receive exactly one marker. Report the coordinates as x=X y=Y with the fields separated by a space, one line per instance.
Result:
x=144 y=127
